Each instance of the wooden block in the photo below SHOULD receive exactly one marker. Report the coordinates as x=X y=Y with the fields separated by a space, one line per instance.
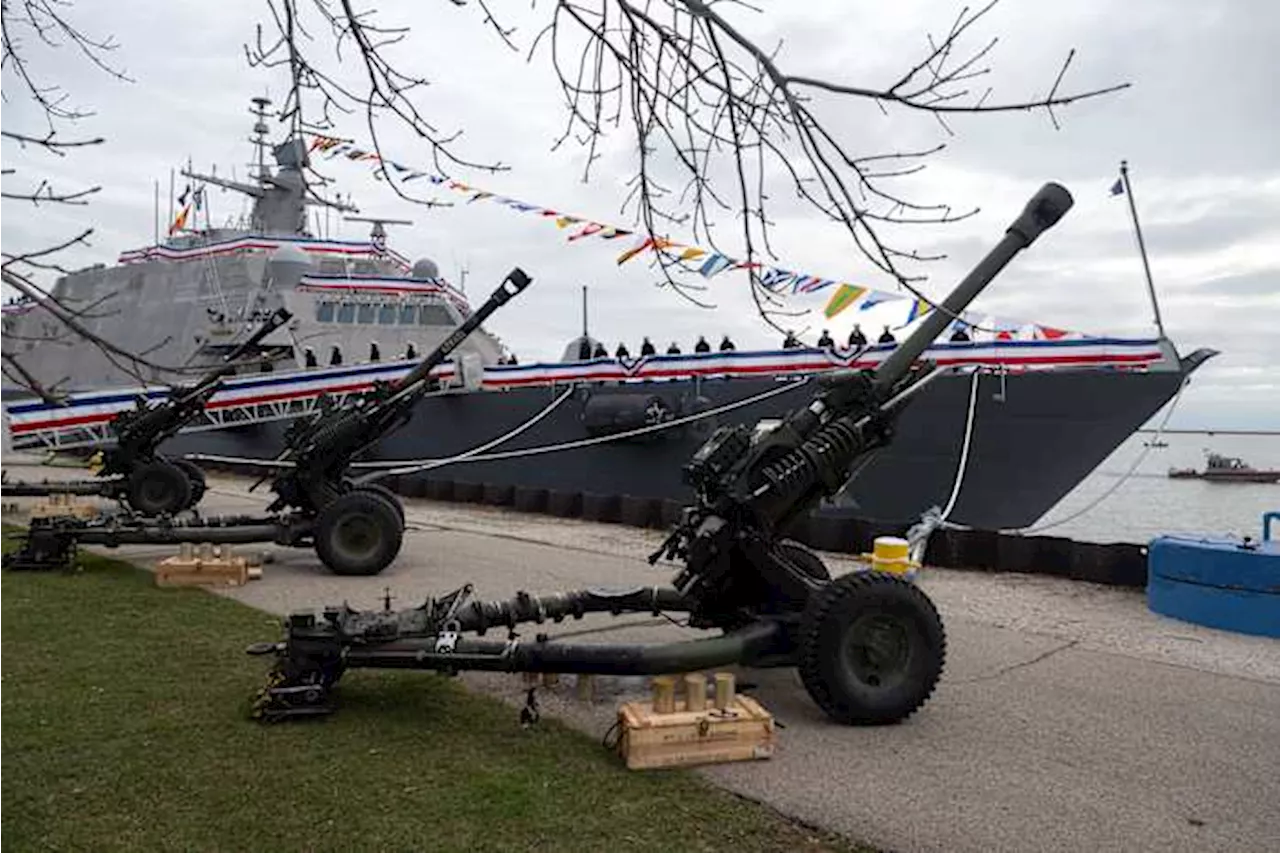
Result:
x=664 y=695
x=63 y=506
x=743 y=731
x=195 y=571
x=724 y=690
x=695 y=690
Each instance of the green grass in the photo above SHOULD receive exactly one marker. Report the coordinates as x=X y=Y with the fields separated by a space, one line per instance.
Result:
x=125 y=727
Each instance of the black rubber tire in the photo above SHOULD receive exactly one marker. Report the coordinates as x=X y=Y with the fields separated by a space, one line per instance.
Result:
x=383 y=492
x=908 y=650
x=358 y=534
x=805 y=559
x=158 y=487
x=195 y=474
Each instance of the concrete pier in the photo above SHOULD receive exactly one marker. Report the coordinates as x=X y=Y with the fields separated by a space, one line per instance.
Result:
x=1069 y=717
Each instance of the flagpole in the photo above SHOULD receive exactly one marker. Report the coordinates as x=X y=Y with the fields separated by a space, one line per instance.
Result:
x=171 y=201
x=1142 y=247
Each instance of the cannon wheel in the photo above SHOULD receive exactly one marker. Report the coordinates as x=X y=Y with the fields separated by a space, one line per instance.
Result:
x=383 y=491
x=358 y=534
x=195 y=474
x=872 y=648
x=158 y=487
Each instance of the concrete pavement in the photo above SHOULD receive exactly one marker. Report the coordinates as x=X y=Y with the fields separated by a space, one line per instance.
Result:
x=1068 y=717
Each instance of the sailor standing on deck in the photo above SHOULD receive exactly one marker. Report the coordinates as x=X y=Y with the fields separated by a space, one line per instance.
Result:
x=647 y=347
x=674 y=349
x=621 y=351
x=826 y=342
x=335 y=356
x=309 y=358
x=886 y=337
x=857 y=340
x=374 y=353
x=726 y=345
x=599 y=351
x=791 y=341
x=702 y=345
x=410 y=352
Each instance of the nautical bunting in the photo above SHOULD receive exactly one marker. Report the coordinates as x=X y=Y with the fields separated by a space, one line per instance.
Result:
x=845 y=295
x=694 y=259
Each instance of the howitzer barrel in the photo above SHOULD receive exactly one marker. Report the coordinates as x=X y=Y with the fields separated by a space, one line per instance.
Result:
x=1042 y=212
x=275 y=321
x=516 y=281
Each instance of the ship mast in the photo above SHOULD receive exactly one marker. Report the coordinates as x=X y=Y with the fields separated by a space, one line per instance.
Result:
x=260 y=131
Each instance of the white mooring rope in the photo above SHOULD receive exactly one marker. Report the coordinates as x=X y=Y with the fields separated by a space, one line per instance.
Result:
x=934 y=518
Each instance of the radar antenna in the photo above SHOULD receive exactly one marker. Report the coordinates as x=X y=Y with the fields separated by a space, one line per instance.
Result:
x=378 y=234
x=260 y=131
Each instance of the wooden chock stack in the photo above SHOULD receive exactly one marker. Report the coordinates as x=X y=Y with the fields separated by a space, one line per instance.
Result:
x=671 y=731
x=212 y=565
x=63 y=506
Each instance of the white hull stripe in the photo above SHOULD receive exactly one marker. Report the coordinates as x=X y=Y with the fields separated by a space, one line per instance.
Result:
x=96 y=407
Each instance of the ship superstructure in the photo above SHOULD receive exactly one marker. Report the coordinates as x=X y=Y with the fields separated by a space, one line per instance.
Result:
x=187 y=300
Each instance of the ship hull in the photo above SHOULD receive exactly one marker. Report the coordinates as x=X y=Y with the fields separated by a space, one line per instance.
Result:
x=1033 y=437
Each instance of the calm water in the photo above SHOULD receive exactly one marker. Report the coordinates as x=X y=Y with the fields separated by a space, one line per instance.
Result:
x=1148 y=503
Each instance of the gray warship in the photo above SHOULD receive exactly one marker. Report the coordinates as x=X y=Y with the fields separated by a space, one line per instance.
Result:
x=995 y=444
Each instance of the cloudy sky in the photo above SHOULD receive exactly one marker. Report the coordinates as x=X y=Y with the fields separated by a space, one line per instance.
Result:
x=1200 y=127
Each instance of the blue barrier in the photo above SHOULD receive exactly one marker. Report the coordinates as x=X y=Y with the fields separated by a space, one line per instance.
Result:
x=1232 y=584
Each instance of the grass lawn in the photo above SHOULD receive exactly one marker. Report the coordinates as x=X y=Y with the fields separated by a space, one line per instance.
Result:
x=125 y=727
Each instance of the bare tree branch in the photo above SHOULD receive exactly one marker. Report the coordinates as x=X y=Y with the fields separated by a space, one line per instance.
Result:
x=718 y=121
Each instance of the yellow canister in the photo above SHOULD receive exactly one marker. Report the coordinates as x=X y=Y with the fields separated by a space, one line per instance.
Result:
x=891 y=548
x=892 y=555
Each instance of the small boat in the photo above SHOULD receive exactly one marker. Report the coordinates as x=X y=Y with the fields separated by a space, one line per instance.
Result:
x=1226 y=469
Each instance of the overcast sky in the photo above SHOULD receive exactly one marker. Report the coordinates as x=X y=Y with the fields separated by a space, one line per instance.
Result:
x=1200 y=128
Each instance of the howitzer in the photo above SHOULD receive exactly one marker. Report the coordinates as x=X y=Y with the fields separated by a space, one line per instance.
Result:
x=869 y=646
x=355 y=529
x=133 y=471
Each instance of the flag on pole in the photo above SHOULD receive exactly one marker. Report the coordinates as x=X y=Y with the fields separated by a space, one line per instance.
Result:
x=180 y=221
x=1118 y=187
